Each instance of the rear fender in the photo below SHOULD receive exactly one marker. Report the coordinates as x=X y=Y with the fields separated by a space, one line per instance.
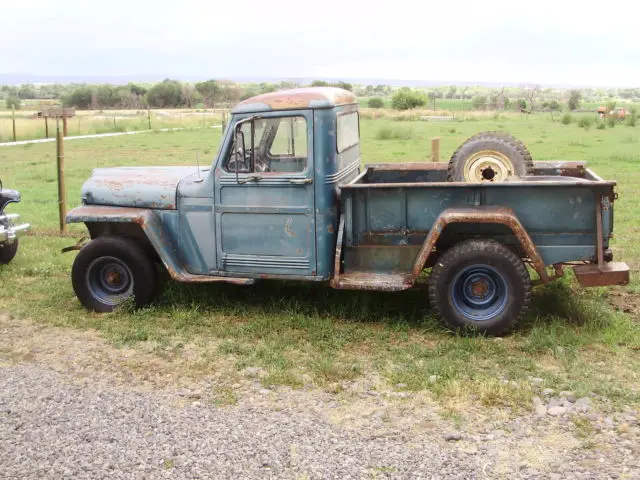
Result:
x=480 y=215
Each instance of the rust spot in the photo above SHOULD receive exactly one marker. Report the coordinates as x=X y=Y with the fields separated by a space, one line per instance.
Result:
x=301 y=98
x=287 y=228
x=330 y=228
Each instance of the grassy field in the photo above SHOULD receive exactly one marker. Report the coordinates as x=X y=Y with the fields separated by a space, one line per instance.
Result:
x=89 y=122
x=301 y=334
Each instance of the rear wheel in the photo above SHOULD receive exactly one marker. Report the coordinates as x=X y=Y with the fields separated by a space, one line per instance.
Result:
x=8 y=251
x=110 y=270
x=490 y=157
x=480 y=284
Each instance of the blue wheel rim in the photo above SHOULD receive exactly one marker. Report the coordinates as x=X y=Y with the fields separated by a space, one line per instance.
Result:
x=479 y=292
x=109 y=280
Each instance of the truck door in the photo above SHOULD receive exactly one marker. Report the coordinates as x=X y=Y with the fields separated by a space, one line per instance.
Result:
x=265 y=218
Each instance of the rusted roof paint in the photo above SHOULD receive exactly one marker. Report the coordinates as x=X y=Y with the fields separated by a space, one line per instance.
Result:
x=298 y=98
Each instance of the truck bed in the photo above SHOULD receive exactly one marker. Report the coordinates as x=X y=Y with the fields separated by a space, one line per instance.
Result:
x=389 y=210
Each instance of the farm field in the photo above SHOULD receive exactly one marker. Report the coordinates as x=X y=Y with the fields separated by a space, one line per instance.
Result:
x=305 y=335
x=88 y=122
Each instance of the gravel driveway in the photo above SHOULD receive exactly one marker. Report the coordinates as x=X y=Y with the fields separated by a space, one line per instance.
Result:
x=57 y=421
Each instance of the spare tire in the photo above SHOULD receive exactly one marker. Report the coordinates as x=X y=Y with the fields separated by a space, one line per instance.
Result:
x=490 y=157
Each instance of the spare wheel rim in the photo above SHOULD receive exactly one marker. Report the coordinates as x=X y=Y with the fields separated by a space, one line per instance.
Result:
x=488 y=166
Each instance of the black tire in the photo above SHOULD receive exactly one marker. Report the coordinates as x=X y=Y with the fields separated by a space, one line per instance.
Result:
x=481 y=285
x=512 y=159
x=109 y=270
x=8 y=251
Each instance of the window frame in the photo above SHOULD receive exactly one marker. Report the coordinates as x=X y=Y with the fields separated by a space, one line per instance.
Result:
x=342 y=114
x=308 y=160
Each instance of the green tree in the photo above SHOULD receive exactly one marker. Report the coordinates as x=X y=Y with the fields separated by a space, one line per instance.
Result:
x=79 y=98
x=106 y=96
x=210 y=91
x=27 y=91
x=574 y=99
x=136 y=89
x=343 y=85
x=12 y=102
x=375 y=103
x=405 y=98
x=319 y=83
x=167 y=93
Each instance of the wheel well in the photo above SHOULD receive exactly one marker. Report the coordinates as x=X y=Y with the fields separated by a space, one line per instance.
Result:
x=456 y=233
x=121 y=229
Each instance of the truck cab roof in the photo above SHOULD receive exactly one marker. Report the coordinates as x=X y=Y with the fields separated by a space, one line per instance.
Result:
x=295 y=99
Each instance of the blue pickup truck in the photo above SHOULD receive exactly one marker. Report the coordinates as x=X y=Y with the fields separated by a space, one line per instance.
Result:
x=286 y=198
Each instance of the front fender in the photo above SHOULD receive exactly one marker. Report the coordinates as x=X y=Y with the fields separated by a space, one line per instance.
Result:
x=148 y=220
x=159 y=230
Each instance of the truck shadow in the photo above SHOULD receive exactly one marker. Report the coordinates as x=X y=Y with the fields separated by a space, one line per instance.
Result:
x=551 y=303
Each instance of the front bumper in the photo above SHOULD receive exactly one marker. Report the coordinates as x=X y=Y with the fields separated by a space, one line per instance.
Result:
x=9 y=231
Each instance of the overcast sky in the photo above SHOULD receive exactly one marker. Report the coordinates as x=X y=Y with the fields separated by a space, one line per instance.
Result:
x=541 y=41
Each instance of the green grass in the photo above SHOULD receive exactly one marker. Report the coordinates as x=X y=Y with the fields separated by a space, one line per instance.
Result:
x=310 y=334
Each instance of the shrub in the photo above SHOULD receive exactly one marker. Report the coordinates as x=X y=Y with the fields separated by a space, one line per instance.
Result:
x=375 y=103
x=600 y=125
x=405 y=98
x=574 y=99
x=611 y=122
x=393 y=133
x=631 y=120
x=12 y=102
x=479 y=102
x=566 y=119
x=585 y=122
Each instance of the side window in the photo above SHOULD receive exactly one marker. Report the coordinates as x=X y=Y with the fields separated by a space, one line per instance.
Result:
x=288 y=150
x=279 y=145
x=348 y=133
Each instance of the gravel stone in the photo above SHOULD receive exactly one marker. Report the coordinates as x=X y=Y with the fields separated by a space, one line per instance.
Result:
x=56 y=429
x=556 y=411
x=453 y=436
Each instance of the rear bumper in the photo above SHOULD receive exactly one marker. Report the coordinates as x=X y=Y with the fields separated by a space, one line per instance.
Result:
x=9 y=231
x=611 y=273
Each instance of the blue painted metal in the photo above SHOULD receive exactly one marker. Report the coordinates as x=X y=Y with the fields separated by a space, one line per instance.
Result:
x=144 y=187
x=283 y=222
x=479 y=292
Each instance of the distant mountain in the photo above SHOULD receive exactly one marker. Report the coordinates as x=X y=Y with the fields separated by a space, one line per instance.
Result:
x=19 y=78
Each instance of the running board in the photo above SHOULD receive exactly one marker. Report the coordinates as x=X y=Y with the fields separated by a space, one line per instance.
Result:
x=366 y=280
x=191 y=278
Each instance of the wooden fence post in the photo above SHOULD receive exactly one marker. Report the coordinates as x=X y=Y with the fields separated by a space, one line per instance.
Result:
x=65 y=128
x=46 y=126
x=435 y=149
x=13 y=116
x=62 y=194
x=149 y=117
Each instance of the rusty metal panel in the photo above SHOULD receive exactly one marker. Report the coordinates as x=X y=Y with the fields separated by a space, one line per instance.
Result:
x=612 y=273
x=143 y=187
x=298 y=98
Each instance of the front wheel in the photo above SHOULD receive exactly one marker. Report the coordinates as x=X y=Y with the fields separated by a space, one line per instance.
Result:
x=8 y=251
x=110 y=270
x=480 y=284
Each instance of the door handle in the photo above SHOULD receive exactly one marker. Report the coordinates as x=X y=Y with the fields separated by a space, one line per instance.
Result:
x=300 y=181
